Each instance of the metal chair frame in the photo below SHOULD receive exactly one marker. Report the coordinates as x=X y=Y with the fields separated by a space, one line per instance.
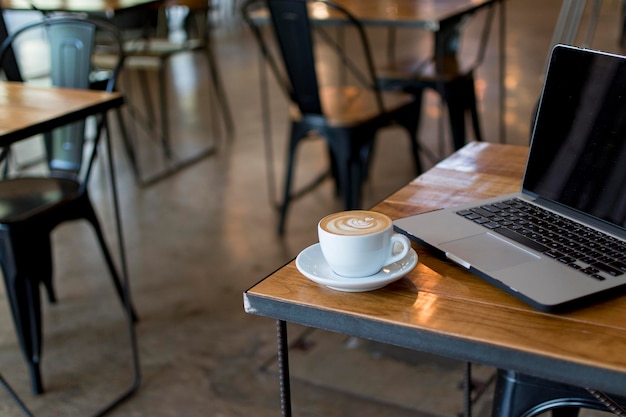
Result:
x=72 y=44
x=520 y=395
x=442 y=73
x=350 y=145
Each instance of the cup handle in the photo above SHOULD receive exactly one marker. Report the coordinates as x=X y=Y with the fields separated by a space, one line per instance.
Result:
x=406 y=245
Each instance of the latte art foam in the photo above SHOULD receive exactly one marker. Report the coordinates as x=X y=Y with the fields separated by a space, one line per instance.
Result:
x=356 y=222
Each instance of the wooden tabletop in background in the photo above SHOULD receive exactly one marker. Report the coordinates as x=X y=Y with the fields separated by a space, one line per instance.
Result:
x=424 y=14
x=28 y=110
x=76 y=5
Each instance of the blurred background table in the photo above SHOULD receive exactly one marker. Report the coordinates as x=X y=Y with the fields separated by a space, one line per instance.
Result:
x=107 y=6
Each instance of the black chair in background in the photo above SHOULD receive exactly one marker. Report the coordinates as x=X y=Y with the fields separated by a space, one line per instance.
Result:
x=442 y=72
x=346 y=116
x=521 y=395
x=33 y=205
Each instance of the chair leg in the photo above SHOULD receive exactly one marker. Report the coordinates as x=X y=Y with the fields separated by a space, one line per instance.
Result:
x=31 y=297
x=355 y=183
x=44 y=269
x=147 y=97
x=291 y=155
x=460 y=97
x=219 y=88
x=366 y=155
x=129 y=148
x=149 y=107
x=472 y=106
x=90 y=216
x=343 y=175
x=415 y=150
x=453 y=96
x=333 y=170
x=165 y=129
x=24 y=300
x=350 y=164
x=411 y=123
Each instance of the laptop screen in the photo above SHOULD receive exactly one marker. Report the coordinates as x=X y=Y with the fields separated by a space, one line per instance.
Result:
x=578 y=149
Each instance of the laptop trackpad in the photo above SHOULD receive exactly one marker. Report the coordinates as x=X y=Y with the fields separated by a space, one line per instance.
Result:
x=486 y=252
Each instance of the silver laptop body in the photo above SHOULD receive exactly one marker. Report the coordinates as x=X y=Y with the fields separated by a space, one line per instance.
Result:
x=576 y=172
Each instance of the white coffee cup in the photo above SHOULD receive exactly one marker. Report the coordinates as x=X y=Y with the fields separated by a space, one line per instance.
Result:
x=359 y=243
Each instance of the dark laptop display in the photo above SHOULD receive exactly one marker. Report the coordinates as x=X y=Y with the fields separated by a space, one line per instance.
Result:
x=558 y=243
x=578 y=157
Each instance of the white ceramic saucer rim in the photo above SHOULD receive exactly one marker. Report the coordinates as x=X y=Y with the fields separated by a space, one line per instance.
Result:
x=337 y=282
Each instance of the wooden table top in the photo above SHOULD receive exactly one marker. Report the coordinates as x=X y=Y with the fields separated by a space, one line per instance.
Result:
x=28 y=110
x=76 y=5
x=443 y=309
x=426 y=14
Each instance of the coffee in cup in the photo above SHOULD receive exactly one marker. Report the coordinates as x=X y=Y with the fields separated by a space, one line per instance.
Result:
x=359 y=243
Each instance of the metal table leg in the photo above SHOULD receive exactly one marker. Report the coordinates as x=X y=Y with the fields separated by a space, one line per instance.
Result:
x=283 y=368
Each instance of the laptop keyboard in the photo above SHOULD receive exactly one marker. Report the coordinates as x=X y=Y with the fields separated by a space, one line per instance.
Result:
x=592 y=252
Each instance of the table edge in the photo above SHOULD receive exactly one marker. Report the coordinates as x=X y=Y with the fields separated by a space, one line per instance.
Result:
x=436 y=343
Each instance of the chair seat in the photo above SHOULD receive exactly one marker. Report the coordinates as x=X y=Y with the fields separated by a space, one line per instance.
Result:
x=350 y=106
x=160 y=48
x=150 y=53
x=24 y=198
x=454 y=84
x=424 y=71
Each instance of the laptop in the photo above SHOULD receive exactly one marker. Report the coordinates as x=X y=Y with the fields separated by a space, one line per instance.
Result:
x=560 y=242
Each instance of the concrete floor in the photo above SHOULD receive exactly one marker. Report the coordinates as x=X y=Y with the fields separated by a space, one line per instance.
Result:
x=198 y=239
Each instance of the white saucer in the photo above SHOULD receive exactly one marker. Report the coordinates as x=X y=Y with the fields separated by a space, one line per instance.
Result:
x=311 y=263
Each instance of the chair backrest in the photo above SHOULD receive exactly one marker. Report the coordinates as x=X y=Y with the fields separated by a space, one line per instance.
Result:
x=133 y=23
x=453 y=41
x=295 y=34
x=154 y=23
x=70 y=43
x=71 y=47
x=485 y=33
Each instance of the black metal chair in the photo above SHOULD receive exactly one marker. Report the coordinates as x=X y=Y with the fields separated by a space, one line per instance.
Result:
x=443 y=73
x=346 y=116
x=521 y=395
x=33 y=205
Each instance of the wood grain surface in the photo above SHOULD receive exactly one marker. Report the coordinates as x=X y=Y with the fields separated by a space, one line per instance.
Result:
x=27 y=110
